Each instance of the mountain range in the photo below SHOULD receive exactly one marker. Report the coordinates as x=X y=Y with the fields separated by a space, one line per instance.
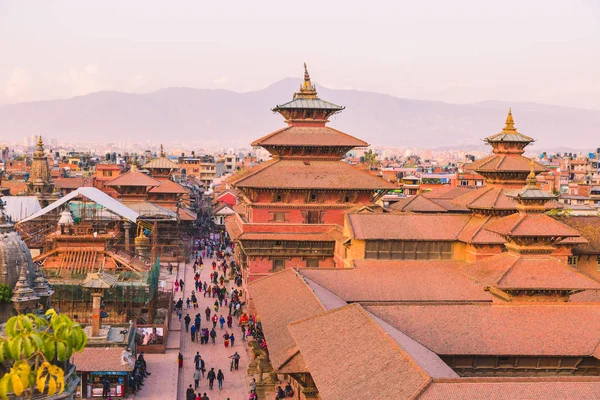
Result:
x=222 y=118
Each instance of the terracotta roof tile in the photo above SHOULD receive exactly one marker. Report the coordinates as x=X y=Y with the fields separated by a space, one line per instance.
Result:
x=379 y=280
x=498 y=329
x=438 y=227
x=133 y=178
x=71 y=183
x=475 y=233
x=168 y=186
x=510 y=388
x=504 y=162
x=351 y=357
x=298 y=174
x=100 y=359
x=530 y=225
x=309 y=136
x=447 y=192
x=514 y=271
x=281 y=299
x=418 y=204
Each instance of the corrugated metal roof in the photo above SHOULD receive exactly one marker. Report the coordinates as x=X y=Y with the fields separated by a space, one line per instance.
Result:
x=20 y=207
x=99 y=280
x=96 y=196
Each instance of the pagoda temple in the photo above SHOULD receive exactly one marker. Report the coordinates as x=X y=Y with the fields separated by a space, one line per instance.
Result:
x=293 y=205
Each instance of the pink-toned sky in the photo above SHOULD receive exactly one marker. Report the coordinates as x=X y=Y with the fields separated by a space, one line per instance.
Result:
x=456 y=51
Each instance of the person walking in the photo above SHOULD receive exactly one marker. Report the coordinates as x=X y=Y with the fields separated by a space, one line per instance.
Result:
x=193 y=332
x=181 y=284
x=226 y=339
x=221 y=321
x=232 y=339
x=189 y=394
x=236 y=360
x=197 y=321
x=187 y=321
x=180 y=360
x=201 y=366
x=211 y=376
x=220 y=379
x=207 y=313
x=215 y=319
x=197 y=375
x=243 y=333
x=229 y=321
x=213 y=335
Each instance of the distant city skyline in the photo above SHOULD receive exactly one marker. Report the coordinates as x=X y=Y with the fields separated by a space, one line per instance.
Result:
x=459 y=52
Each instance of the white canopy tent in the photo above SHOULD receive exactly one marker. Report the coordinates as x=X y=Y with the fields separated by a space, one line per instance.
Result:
x=95 y=195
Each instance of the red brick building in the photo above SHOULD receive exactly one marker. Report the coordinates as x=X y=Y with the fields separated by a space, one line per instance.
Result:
x=292 y=207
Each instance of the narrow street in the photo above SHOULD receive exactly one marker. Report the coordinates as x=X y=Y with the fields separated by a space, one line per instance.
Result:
x=164 y=383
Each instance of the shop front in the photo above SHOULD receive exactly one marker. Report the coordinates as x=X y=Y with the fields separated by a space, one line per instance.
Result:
x=100 y=367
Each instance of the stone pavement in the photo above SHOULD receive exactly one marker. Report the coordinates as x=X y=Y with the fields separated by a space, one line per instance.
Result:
x=215 y=356
x=163 y=383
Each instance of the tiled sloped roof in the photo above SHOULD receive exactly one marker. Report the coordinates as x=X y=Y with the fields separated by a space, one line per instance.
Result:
x=93 y=359
x=447 y=192
x=418 y=204
x=530 y=225
x=133 y=178
x=534 y=388
x=503 y=162
x=161 y=163
x=168 y=186
x=309 y=136
x=281 y=299
x=514 y=271
x=233 y=228
x=381 y=280
x=475 y=233
x=350 y=357
x=298 y=174
x=499 y=329
x=487 y=197
x=71 y=183
x=407 y=226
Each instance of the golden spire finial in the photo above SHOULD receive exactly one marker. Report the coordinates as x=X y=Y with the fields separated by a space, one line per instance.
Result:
x=40 y=144
x=162 y=152
x=510 y=122
x=306 y=76
x=531 y=181
x=307 y=89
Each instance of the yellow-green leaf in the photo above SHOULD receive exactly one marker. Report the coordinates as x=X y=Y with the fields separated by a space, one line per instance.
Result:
x=5 y=386
x=11 y=327
x=27 y=348
x=50 y=349
x=61 y=351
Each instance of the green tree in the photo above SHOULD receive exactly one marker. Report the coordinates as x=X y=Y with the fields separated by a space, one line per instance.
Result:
x=5 y=293
x=33 y=345
x=371 y=159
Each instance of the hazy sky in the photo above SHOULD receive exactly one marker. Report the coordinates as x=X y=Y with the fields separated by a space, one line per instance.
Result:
x=457 y=51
